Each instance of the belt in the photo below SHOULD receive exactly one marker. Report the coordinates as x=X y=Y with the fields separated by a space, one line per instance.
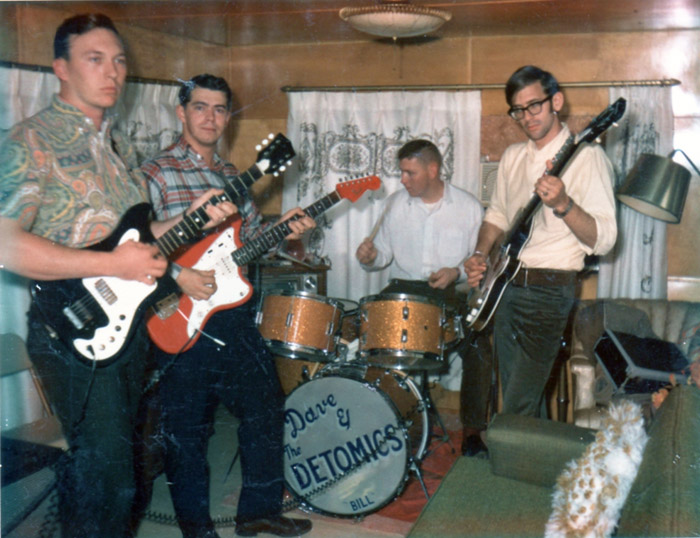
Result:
x=544 y=277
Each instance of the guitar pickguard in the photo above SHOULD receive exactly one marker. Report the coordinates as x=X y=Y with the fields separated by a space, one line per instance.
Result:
x=119 y=300
x=231 y=287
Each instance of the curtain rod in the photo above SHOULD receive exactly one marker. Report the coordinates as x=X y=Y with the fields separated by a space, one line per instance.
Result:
x=446 y=87
x=45 y=69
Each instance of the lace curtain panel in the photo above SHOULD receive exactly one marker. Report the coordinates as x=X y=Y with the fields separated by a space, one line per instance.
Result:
x=637 y=266
x=345 y=135
x=145 y=111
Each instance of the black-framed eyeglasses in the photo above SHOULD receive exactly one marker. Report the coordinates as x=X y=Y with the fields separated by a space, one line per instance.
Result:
x=518 y=112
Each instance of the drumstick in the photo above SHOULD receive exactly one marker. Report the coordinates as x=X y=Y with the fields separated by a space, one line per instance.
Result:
x=377 y=224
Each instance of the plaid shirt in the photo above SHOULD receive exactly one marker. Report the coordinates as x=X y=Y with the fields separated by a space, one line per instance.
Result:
x=179 y=175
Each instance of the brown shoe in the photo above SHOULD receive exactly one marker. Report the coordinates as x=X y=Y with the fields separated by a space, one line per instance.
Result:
x=277 y=525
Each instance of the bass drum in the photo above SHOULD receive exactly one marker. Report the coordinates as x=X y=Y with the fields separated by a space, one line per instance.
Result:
x=346 y=450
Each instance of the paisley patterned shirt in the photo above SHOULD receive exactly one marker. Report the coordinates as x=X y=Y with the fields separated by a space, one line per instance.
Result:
x=64 y=180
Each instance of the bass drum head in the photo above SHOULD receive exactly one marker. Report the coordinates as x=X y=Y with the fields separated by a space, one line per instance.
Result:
x=345 y=452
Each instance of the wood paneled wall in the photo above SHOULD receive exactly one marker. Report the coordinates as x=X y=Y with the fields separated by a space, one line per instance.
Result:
x=257 y=73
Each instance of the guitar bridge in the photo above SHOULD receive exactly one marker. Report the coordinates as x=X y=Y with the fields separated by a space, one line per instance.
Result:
x=167 y=306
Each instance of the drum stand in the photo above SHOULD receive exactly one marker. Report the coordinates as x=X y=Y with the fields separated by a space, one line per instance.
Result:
x=433 y=415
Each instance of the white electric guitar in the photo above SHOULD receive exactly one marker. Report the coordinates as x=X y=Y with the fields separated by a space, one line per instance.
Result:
x=96 y=316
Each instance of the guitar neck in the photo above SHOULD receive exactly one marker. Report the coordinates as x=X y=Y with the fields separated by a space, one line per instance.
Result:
x=190 y=225
x=275 y=235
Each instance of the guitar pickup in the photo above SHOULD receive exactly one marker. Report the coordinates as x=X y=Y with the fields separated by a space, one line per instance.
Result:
x=167 y=306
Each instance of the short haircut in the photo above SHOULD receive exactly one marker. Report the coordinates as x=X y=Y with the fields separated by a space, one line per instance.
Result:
x=79 y=25
x=424 y=150
x=527 y=75
x=208 y=82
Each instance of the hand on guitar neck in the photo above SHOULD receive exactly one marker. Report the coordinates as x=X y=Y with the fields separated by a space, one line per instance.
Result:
x=201 y=284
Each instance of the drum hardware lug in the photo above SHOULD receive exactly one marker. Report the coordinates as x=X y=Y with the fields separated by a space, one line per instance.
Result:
x=290 y=317
x=329 y=328
x=460 y=327
x=405 y=312
x=363 y=338
x=258 y=318
x=363 y=313
x=404 y=336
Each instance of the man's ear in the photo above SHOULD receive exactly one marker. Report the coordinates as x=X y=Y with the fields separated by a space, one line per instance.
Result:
x=557 y=101
x=180 y=113
x=60 y=68
x=433 y=169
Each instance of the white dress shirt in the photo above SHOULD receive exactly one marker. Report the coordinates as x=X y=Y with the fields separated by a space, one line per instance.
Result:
x=588 y=181
x=416 y=239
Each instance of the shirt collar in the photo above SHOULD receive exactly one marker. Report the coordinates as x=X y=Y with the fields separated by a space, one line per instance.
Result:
x=552 y=147
x=190 y=152
x=446 y=196
x=77 y=116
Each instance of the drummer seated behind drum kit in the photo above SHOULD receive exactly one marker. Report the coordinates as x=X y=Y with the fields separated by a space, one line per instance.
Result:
x=355 y=420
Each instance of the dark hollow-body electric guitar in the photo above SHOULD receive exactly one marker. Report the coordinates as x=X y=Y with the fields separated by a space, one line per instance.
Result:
x=503 y=262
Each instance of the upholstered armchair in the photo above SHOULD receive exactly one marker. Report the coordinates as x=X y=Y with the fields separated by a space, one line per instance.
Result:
x=673 y=321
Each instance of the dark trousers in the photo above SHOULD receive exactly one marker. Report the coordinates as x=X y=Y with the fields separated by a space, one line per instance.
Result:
x=528 y=326
x=476 y=391
x=97 y=410
x=242 y=376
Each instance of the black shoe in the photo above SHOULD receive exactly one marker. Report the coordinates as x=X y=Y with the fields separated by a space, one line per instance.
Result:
x=277 y=525
x=473 y=445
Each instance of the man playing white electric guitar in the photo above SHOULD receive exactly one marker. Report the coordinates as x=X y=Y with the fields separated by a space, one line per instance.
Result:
x=229 y=363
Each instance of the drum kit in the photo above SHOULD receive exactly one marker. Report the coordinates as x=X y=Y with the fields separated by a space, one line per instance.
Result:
x=356 y=420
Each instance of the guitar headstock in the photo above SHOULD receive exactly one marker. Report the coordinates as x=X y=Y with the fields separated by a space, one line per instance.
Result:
x=603 y=121
x=354 y=188
x=275 y=154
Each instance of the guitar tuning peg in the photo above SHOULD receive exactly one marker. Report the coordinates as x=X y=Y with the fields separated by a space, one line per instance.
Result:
x=598 y=140
x=283 y=168
x=265 y=142
x=615 y=124
x=289 y=162
x=270 y=136
x=258 y=147
x=275 y=174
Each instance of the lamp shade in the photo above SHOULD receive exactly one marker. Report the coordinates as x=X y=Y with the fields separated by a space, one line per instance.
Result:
x=395 y=18
x=656 y=186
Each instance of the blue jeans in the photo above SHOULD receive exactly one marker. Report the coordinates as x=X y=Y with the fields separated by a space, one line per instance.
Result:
x=242 y=376
x=97 y=410
x=528 y=326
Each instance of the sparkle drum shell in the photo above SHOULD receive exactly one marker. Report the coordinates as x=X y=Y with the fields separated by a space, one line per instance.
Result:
x=300 y=325
x=404 y=332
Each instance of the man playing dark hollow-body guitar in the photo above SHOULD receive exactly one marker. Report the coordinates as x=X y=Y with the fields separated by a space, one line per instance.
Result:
x=66 y=180
x=229 y=362
x=576 y=218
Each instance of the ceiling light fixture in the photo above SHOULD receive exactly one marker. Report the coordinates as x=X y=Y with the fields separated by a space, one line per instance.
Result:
x=395 y=18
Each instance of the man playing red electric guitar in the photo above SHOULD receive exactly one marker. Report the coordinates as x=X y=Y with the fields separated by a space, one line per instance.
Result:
x=229 y=363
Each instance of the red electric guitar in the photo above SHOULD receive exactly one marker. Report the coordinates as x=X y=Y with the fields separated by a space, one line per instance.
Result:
x=226 y=255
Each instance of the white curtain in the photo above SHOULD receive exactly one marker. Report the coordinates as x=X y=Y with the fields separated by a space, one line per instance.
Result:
x=344 y=135
x=146 y=112
x=637 y=266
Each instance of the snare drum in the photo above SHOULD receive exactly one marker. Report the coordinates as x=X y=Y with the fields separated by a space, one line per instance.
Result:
x=402 y=331
x=347 y=447
x=300 y=325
